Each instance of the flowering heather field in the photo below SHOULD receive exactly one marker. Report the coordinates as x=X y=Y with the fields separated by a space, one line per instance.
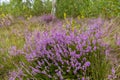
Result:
x=45 y=48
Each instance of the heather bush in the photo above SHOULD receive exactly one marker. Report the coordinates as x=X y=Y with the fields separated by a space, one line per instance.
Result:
x=65 y=54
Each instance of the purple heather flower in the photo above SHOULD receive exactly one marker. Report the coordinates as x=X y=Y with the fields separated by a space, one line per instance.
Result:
x=43 y=72
x=113 y=71
x=109 y=77
x=113 y=75
x=75 y=71
x=73 y=53
x=60 y=75
x=83 y=78
x=87 y=64
x=94 y=42
x=35 y=71
x=94 y=48
x=13 y=51
x=84 y=59
x=16 y=74
x=118 y=42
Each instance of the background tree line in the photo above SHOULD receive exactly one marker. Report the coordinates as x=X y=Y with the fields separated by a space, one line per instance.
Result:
x=72 y=8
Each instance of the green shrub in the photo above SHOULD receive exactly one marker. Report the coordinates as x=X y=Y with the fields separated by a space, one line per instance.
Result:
x=37 y=7
x=88 y=8
x=40 y=8
x=19 y=8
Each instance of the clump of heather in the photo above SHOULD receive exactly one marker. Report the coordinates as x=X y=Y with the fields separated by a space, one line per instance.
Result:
x=16 y=75
x=64 y=54
x=113 y=75
x=48 y=18
x=118 y=41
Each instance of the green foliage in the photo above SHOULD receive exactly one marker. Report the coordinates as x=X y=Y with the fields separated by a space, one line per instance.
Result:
x=16 y=8
x=40 y=8
x=72 y=8
x=19 y=8
x=100 y=66
x=8 y=63
x=88 y=8
x=47 y=6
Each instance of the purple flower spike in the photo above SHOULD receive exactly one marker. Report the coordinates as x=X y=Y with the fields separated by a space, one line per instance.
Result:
x=87 y=64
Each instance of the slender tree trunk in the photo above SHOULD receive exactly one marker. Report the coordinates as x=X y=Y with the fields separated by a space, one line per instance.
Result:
x=53 y=7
